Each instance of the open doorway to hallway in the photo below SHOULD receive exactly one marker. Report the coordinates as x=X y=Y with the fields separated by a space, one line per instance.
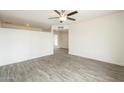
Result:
x=61 y=39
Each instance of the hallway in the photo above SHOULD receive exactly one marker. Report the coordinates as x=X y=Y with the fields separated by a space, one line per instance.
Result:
x=61 y=67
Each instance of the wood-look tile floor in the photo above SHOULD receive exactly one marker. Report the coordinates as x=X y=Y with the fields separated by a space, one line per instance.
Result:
x=61 y=67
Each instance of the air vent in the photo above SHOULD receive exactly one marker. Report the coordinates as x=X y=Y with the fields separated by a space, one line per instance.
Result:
x=7 y=22
x=60 y=27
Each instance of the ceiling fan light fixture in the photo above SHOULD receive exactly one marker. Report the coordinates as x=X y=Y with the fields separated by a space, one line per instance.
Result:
x=27 y=25
x=63 y=18
x=63 y=15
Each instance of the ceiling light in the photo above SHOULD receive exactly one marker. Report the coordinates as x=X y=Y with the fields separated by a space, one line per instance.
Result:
x=63 y=18
x=28 y=25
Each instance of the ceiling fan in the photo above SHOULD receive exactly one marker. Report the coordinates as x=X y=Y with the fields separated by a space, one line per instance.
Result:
x=63 y=16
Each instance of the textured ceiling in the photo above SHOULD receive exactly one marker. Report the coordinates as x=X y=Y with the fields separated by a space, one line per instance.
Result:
x=39 y=18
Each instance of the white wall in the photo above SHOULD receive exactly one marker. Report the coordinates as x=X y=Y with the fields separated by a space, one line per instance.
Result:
x=56 y=40
x=100 y=39
x=20 y=45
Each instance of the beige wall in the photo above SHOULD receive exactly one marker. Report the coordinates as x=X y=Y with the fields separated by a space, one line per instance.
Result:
x=55 y=27
x=63 y=39
x=0 y=23
x=101 y=39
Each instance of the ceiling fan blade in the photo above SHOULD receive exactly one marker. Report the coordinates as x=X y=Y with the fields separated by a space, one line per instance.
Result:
x=72 y=19
x=57 y=12
x=72 y=13
x=53 y=18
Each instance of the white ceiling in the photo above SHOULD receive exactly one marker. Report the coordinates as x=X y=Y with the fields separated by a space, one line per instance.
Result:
x=39 y=18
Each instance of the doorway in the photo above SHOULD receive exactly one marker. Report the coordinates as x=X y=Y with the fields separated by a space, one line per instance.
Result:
x=61 y=39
